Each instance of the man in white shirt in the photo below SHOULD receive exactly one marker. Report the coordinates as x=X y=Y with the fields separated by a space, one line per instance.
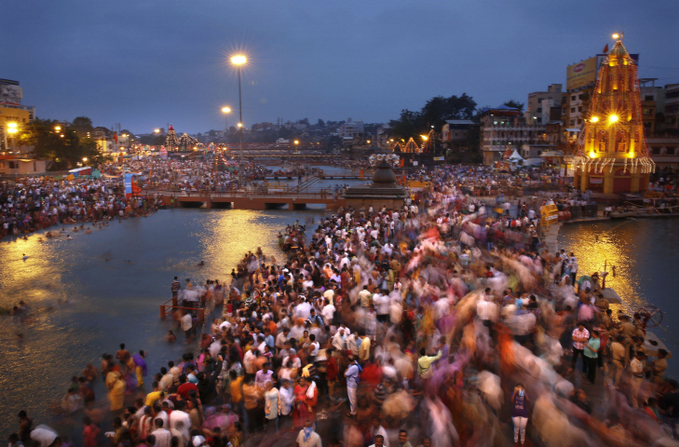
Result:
x=180 y=422
x=339 y=340
x=381 y=303
x=249 y=360
x=163 y=435
x=328 y=312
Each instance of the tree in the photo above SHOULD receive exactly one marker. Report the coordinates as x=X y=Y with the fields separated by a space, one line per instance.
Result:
x=434 y=113
x=82 y=125
x=320 y=123
x=514 y=104
x=410 y=124
x=64 y=148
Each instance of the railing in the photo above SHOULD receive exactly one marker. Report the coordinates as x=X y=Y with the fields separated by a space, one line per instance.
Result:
x=167 y=308
x=290 y=192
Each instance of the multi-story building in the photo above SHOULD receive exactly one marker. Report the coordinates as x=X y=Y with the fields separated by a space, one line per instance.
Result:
x=672 y=106
x=455 y=131
x=664 y=151
x=652 y=104
x=350 y=129
x=541 y=103
x=11 y=110
x=502 y=129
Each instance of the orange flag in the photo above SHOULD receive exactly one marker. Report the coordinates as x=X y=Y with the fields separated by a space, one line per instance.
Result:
x=606 y=49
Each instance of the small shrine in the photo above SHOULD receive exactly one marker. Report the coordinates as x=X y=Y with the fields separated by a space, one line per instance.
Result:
x=383 y=191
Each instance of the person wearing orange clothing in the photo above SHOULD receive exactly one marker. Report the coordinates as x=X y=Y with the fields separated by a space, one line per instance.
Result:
x=306 y=399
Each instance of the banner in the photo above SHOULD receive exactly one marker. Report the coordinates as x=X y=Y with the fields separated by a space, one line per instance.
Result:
x=581 y=74
x=131 y=187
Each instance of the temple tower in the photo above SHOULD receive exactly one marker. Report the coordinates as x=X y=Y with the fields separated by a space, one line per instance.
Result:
x=613 y=157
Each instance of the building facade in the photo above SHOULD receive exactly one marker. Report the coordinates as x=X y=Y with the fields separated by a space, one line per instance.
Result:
x=503 y=128
x=541 y=103
x=672 y=106
x=350 y=129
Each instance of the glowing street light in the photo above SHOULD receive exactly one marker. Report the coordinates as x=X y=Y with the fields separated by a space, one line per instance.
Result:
x=239 y=60
x=57 y=128
x=594 y=119
x=156 y=130
x=424 y=137
x=84 y=159
x=613 y=118
x=12 y=128
x=226 y=110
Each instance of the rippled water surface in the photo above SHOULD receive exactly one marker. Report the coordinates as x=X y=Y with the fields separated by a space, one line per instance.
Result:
x=97 y=290
x=645 y=253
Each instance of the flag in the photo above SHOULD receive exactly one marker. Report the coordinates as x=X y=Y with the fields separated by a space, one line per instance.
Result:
x=606 y=49
x=115 y=137
x=402 y=163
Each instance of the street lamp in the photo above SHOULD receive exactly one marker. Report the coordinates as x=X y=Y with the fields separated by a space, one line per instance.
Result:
x=226 y=111
x=12 y=128
x=238 y=60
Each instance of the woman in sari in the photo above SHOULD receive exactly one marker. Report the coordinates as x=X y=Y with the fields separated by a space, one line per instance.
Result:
x=306 y=399
x=116 y=388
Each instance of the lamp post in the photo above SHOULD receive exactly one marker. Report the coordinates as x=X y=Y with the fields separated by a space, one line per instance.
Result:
x=226 y=111
x=12 y=129
x=238 y=61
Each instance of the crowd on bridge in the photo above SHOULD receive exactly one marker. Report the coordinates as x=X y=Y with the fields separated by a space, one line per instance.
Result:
x=442 y=324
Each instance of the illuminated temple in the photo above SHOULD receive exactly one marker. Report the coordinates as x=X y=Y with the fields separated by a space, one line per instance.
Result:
x=613 y=157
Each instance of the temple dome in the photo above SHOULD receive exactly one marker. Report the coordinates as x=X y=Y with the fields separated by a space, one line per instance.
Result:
x=384 y=175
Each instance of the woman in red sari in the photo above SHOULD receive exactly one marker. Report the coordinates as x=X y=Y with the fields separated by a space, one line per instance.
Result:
x=306 y=399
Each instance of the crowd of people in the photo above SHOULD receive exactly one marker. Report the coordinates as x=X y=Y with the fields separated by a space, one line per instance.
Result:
x=442 y=325
x=32 y=204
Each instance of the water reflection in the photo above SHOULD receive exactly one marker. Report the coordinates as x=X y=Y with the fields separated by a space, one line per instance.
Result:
x=97 y=290
x=644 y=253
x=598 y=247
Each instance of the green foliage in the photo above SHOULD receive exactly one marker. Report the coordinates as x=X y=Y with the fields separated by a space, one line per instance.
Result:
x=434 y=113
x=82 y=125
x=514 y=104
x=65 y=151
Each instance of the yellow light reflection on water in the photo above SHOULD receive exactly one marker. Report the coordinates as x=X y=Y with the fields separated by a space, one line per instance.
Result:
x=596 y=249
x=234 y=233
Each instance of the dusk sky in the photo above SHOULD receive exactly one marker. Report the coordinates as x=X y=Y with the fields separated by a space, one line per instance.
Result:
x=145 y=64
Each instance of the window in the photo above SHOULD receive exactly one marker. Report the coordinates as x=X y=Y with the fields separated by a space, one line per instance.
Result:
x=579 y=109
x=572 y=122
x=649 y=98
x=655 y=151
x=573 y=98
x=572 y=109
x=13 y=165
x=671 y=150
x=580 y=97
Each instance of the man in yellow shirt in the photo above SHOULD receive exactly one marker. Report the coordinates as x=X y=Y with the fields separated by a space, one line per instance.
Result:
x=364 y=348
x=154 y=395
x=424 y=363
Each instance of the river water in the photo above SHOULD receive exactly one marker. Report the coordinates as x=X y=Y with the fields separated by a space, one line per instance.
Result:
x=97 y=290
x=645 y=253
